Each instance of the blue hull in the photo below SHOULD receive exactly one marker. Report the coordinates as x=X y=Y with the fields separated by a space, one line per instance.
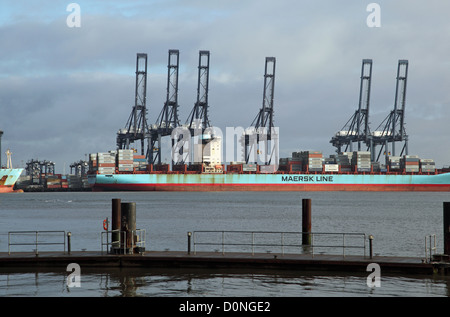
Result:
x=271 y=182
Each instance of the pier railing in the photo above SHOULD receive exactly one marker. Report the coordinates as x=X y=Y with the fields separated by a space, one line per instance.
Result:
x=36 y=238
x=281 y=242
x=118 y=241
x=430 y=247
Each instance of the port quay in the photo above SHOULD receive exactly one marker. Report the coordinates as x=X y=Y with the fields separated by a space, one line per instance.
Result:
x=124 y=246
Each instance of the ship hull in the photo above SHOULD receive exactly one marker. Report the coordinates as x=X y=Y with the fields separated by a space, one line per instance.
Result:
x=8 y=178
x=270 y=182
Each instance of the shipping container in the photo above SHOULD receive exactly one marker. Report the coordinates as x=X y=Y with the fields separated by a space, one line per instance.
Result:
x=331 y=167
x=249 y=167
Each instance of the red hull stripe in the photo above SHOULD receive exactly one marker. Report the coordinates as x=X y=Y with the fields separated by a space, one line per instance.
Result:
x=272 y=187
x=6 y=189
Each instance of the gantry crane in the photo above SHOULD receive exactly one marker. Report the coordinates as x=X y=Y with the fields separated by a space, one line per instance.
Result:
x=79 y=168
x=198 y=118
x=167 y=120
x=357 y=127
x=37 y=170
x=263 y=124
x=392 y=129
x=136 y=127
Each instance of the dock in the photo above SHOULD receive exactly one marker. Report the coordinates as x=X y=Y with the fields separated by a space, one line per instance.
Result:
x=217 y=260
x=125 y=248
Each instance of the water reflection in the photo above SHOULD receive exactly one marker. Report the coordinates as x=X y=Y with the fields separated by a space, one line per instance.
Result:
x=115 y=282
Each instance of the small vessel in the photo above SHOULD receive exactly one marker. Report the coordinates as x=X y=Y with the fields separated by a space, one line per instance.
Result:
x=8 y=178
x=8 y=175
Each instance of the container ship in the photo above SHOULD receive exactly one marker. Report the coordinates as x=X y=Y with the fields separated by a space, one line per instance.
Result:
x=122 y=170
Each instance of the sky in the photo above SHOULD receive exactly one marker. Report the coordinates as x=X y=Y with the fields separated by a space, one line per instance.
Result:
x=66 y=91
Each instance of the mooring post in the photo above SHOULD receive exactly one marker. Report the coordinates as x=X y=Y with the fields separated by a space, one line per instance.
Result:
x=115 y=223
x=306 y=221
x=447 y=228
x=69 y=234
x=128 y=223
x=189 y=234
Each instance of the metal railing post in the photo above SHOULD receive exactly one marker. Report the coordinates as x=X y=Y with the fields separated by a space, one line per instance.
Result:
x=253 y=243
x=193 y=238
x=343 y=245
x=332 y=240
x=36 y=241
x=223 y=242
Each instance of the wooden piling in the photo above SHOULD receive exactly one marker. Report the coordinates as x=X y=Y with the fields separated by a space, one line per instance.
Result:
x=447 y=228
x=306 y=221
x=116 y=222
x=128 y=222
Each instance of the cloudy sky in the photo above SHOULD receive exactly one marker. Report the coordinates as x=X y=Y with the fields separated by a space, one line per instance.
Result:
x=66 y=91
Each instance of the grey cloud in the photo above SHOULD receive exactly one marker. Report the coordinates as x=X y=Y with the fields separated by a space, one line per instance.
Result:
x=68 y=91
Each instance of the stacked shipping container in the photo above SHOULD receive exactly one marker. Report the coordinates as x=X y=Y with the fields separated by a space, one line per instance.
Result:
x=304 y=161
x=393 y=162
x=361 y=161
x=122 y=160
x=410 y=163
x=357 y=161
x=427 y=166
x=54 y=182
x=106 y=162
x=125 y=160
x=293 y=164
x=311 y=161
x=140 y=162
x=344 y=160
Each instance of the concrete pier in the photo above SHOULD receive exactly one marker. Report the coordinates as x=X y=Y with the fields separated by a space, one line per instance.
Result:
x=181 y=259
x=124 y=218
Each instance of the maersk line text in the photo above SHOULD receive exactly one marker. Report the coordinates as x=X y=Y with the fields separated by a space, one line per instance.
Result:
x=308 y=179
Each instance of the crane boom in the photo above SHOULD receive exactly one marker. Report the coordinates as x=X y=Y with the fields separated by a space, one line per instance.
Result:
x=136 y=127
x=357 y=127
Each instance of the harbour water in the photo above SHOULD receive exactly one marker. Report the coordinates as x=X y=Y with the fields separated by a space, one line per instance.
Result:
x=399 y=223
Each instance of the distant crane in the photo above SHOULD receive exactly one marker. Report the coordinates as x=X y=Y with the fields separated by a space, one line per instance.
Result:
x=263 y=123
x=168 y=118
x=8 y=159
x=357 y=127
x=392 y=129
x=136 y=127
x=79 y=168
x=37 y=170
